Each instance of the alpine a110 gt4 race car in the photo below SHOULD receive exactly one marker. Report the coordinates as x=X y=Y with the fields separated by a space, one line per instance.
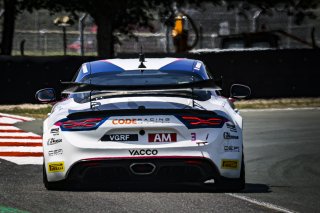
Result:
x=143 y=120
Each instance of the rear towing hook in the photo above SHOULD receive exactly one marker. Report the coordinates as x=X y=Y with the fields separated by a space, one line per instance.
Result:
x=201 y=143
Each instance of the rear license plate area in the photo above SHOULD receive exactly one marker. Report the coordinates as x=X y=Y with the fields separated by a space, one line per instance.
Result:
x=120 y=137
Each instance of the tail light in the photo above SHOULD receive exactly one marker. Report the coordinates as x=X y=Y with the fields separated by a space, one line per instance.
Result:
x=203 y=122
x=80 y=124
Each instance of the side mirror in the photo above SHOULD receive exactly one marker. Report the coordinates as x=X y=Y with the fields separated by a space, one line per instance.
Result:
x=239 y=91
x=46 y=95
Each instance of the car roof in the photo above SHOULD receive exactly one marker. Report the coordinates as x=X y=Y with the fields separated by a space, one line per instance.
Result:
x=162 y=64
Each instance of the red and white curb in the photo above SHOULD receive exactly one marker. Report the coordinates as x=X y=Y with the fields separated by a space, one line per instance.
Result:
x=16 y=145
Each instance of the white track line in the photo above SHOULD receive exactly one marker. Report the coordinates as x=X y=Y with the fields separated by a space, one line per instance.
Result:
x=260 y=203
x=21 y=149
x=9 y=128
x=17 y=116
x=24 y=161
x=8 y=120
x=279 y=109
x=14 y=134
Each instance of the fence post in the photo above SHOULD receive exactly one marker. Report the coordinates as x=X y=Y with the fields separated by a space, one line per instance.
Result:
x=81 y=29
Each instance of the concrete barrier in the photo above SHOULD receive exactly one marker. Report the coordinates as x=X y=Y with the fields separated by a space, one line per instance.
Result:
x=21 y=77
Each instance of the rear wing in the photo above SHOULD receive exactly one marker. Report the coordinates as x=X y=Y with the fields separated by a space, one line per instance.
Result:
x=74 y=87
x=113 y=91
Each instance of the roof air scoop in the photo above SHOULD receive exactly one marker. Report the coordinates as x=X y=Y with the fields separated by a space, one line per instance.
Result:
x=141 y=59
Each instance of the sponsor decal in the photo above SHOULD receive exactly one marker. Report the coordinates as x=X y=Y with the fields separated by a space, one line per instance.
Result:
x=229 y=164
x=231 y=148
x=140 y=121
x=193 y=136
x=84 y=68
x=162 y=137
x=53 y=141
x=198 y=65
x=55 y=152
x=153 y=120
x=120 y=137
x=142 y=152
x=124 y=121
x=56 y=167
x=54 y=131
x=228 y=136
x=231 y=127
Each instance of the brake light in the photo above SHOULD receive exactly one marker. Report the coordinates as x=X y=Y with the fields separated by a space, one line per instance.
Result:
x=203 y=122
x=80 y=124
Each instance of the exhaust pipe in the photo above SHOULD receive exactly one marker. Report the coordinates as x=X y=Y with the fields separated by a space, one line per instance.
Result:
x=142 y=168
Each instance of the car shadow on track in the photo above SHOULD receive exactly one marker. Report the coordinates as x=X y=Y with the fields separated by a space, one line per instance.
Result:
x=256 y=188
x=168 y=188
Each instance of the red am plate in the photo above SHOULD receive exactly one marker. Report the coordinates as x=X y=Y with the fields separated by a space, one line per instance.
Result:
x=162 y=137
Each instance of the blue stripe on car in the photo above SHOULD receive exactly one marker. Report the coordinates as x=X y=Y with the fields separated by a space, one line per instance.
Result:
x=186 y=65
x=104 y=66
x=180 y=65
x=98 y=67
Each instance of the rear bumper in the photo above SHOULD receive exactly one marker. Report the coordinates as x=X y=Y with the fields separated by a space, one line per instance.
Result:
x=166 y=170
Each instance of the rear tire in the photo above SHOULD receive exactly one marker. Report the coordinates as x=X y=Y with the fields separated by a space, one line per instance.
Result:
x=58 y=185
x=234 y=185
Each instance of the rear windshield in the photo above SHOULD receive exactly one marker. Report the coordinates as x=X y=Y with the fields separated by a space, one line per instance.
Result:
x=138 y=77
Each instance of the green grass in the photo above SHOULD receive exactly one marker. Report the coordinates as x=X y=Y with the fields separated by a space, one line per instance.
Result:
x=34 y=113
x=5 y=209
x=278 y=103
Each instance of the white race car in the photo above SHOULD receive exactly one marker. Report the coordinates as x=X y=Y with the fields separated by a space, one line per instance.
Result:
x=143 y=120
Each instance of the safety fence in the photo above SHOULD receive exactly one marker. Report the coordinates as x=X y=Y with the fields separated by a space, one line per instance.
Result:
x=40 y=37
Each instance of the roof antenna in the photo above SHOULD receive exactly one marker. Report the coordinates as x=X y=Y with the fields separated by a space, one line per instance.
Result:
x=141 y=59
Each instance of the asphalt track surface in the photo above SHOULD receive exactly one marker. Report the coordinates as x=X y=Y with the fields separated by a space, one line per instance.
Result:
x=282 y=152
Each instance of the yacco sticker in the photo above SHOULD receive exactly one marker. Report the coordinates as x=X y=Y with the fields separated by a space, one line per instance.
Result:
x=142 y=152
x=162 y=137
x=229 y=164
x=56 y=167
